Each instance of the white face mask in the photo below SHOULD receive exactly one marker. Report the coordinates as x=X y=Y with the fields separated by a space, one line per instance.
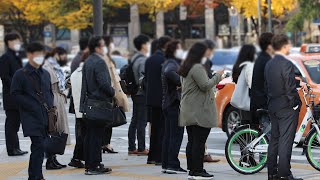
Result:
x=179 y=54
x=112 y=46
x=38 y=60
x=17 y=47
x=149 y=50
x=105 y=50
x=204 y=60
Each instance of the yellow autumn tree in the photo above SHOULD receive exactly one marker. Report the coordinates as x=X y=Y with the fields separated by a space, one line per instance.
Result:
x=249 y=8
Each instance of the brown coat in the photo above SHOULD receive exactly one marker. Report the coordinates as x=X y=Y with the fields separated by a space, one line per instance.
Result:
x=60 y=101
x=121 y=98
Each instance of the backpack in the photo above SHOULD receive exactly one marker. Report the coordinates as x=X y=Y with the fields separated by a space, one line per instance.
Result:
x=128 y=82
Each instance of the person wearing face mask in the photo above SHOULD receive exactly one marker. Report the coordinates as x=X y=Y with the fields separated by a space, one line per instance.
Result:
x=96 y=87
x=208 y=64
x=137 y=128
x=120 y=98
x=25 y=85
x=198 y=111
x=259 y=98
x=284 y=105
x=209 y=55
x=53 y=62
x=171 y=88
x=9 y=64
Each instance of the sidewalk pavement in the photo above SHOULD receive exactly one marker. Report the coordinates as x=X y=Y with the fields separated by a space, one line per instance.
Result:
x=130 y=168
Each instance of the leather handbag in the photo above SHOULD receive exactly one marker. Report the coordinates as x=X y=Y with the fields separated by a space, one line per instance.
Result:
x=119 y=117
x=98 y=112
x=55 y=143
x=240 y=98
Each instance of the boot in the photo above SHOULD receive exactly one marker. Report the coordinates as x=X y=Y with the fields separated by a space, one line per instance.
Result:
x=51 y=165
x=57 y=163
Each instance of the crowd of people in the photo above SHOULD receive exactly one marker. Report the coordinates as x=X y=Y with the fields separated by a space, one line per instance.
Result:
x=173 y=92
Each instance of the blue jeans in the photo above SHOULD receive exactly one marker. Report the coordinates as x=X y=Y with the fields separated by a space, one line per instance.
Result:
x=137 y=128
x=173 y=135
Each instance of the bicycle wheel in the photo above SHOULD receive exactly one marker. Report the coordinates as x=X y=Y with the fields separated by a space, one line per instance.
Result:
x=313 y=150
x=245 y=162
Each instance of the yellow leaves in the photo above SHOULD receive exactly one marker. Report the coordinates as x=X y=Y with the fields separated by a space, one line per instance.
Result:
x=249 y=8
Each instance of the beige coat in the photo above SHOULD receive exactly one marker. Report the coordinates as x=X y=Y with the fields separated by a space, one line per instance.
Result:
x=60 y=101
x=198 y=105
x=121 y=98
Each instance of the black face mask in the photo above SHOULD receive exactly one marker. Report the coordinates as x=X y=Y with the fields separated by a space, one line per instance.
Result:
x=62 y=62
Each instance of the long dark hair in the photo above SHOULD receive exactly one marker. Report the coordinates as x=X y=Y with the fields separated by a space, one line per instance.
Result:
x=171 y=49
x=195 y=55
x=247 y=53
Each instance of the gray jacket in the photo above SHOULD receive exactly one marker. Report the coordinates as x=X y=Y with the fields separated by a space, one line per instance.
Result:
x=138 y=69
x=198 y=105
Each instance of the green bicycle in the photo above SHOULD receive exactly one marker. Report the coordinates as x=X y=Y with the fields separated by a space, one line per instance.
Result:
x=247 y=148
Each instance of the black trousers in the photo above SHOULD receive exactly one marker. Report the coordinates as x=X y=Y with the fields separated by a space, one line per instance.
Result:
x=173 y=136
x=93 y=143
x=36 y=158
x=80 y=131
x=137 y=128
x=107 y=136
x=157 y=131
x=12 y=126
x=197 y=137
x=284 y=124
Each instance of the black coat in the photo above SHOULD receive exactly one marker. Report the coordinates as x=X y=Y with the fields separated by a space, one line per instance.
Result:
x=34 y=117
x=96 y=81
x=259 y=96
x=171 y=84
x=281 y=84
x=153 y=69
x=9 y=64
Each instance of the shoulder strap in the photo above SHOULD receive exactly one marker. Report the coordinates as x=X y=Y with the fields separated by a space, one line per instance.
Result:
x=38 y=89
x=136 y=58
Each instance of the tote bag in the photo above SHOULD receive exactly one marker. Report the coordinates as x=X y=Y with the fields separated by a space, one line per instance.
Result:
x=240 y=98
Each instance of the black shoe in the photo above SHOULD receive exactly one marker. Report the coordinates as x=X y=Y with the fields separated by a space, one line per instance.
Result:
x=57 y=163
x=200 y=175
x=51 y=165
x=17 y=152
x=98 y=170
x=110 y=151
x=273 y=177
x=290 y=178
x=151 y=162
x=175 y=171
x=76 y=163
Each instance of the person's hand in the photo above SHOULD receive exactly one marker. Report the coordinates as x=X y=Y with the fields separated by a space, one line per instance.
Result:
x=221 y=72
x=178 y=88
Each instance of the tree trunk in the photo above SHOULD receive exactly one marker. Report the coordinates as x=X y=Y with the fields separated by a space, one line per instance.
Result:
x=209 y=21
x=160 y=24
x=134 y=26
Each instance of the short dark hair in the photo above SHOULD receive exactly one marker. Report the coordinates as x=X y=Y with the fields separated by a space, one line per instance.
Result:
x=83 y=43
x=154 y=46
x=57 y=50
x=35 y=47
x=116 y=52
x=140 y=40
x=171 y=48
x=10 y=37
x=211 y=44
x=163 y=41
x=265 y=40
x=94 y=42
x=278 y=41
